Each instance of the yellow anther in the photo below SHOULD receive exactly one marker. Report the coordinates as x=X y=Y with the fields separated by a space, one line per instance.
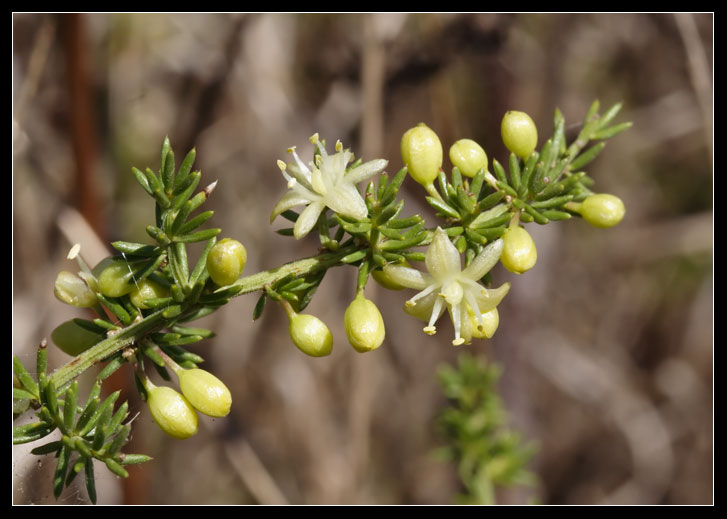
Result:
x=74 y=251
x=314 y=138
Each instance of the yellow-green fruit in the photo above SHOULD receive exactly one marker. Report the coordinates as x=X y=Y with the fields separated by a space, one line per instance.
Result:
x=147 y=289
x=519 y=133
x=114 y=279
x=422 y=153
x=205 y=392
x=603 y=210
x=172 y=412
x=310 y=335
x=468 y=157
x=74 y=340
x=490 y=322
x=226 y=261
x=364 y=324
x=519 y=253
x=73 y=290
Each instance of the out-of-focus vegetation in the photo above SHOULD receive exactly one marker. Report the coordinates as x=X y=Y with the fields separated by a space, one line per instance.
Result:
x=606 y=345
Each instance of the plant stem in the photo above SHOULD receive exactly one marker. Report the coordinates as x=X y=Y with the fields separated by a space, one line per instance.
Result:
x=154 y=322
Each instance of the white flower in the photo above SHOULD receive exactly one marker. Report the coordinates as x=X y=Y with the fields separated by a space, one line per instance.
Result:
x=324 y=184
x=448 y=286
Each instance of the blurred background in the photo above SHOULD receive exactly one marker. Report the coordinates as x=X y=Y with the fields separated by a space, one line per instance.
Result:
x=606 y=345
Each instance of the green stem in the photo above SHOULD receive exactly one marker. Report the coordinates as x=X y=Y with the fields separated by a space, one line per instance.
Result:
x=133 y=333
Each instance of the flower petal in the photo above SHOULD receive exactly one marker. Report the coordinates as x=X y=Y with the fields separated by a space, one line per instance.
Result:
x=484 y=261
x=487 y=299
x=289 y=200
x=442 y=258
x=304 y=178
x=346 y=200
x=307 y=219
x=366 y=171
x=423 y=309
x=408 y=277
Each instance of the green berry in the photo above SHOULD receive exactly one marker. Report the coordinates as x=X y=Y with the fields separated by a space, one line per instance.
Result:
x=364 y=324
x=519 y=133
x=518 y=253
x=172 y=412
x=73 y=290
x=205 y=392
x=603 y=210
x=422 y=153
x=114 y=280
x=147 y=289
x=226 y=261
x=74 y=340
x=468 y=157
x=310 y=335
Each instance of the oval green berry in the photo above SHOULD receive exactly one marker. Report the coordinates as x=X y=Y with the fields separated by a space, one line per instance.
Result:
x=172 y=412
x=364 y=324
x=205 y=392
x=147 y=289
x=114 y=279
x=519 y=133
x=226 y=261
x=310 y=335
x=468 y=157
x=603 y=210
x=518 y=253
x=422 y=154
x=74 y=340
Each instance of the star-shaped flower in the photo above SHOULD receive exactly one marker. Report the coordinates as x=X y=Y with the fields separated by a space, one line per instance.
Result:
x=325 y=183
x=448 y=286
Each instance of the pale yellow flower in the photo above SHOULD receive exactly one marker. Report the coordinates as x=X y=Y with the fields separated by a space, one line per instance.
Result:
x=447 y=286
x=325 y=183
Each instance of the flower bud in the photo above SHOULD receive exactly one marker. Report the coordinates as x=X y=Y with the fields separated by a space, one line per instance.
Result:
x=74 y=340
x=519 y=133
x=226 y=261
x=519 y=253
x=172 y=412
x=73 y=290
x=487 y=328
x=602 y=210
x=468 y=157
x=310 y=335
x=421 y=152
x=205 y=392
x=364 y=324
x=384 y=279
x=147 y=289
x=114 y=279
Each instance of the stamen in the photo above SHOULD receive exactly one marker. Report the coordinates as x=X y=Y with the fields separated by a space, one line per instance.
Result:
x=456 y=320
x=421 y=294
x=339 y=146
x=430 y=330
x=283 y=166
x=314 y=138
x=472 y=302
x=436 y=311
x=74 y=251
x=303 y=168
